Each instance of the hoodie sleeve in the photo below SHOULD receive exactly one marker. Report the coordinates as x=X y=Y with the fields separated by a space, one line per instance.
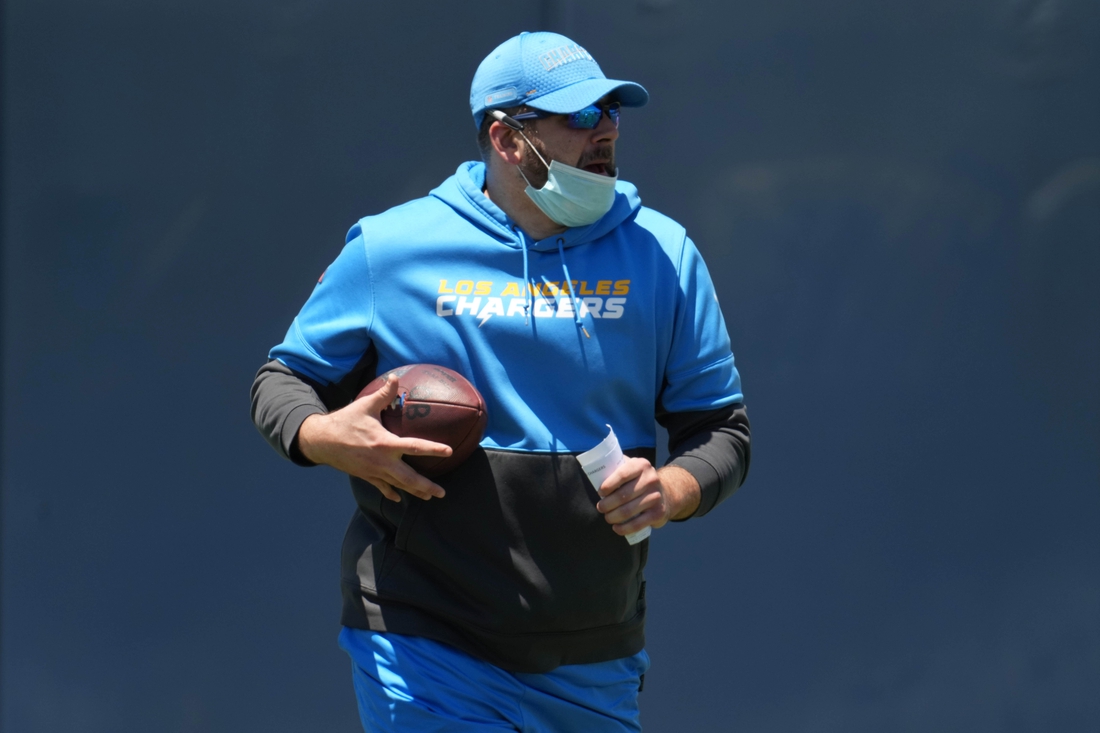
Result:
x=332 y=331
x=701 y=403
x=699 y=373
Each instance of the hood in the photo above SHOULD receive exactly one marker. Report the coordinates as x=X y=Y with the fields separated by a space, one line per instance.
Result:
x=462 y=192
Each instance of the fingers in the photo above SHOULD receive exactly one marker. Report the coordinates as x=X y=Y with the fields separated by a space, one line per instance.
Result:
x=630 y=470
x=649 y=518
x=420 y=447
x=408 y=481
x=385 y=488
x=633 y=497
x=402 y=476
x=622 y=485
x=375 y=402
x=357 y=443
x=643 y=504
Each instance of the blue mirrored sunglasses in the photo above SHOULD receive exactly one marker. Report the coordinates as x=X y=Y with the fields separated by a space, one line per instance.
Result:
x=583 y=119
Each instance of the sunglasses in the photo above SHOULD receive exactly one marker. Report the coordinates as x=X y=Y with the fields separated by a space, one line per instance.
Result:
x=583 y=119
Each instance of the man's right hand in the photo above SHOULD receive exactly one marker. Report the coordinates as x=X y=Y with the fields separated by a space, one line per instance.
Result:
x=353 y=440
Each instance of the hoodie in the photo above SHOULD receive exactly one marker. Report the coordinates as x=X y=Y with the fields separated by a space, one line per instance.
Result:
x=611 y=324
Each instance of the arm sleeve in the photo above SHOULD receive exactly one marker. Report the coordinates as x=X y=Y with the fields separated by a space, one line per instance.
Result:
x=701 y=403
x=282 y=399
x=714 y=447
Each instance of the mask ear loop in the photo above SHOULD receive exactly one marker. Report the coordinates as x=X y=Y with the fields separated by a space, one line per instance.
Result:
x=518 y=127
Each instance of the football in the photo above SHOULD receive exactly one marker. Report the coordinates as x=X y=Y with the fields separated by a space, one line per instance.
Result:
x=438 y=404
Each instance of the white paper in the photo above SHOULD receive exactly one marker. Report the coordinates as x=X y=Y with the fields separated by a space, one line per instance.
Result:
x=599 y=463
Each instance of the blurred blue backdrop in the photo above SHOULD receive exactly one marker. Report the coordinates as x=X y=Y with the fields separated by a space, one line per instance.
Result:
x=899 y=203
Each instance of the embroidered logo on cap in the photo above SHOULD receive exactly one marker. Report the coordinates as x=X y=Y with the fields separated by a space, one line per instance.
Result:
x=564 y=55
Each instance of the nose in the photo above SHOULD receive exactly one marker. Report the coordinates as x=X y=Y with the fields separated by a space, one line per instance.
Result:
x=606 y=131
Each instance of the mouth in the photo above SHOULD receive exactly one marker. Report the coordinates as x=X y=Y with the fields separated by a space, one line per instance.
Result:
x=598 y=167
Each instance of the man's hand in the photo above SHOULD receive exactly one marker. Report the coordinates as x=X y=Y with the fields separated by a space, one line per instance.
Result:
x=353 y=440
x=636 y=495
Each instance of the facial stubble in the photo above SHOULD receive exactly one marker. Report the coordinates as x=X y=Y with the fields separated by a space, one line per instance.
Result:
x=535 y=171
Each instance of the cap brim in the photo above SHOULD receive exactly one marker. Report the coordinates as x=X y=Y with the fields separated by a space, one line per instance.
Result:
x=583 y=93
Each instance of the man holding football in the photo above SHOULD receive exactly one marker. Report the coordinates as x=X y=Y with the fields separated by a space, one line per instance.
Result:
x=504 y=594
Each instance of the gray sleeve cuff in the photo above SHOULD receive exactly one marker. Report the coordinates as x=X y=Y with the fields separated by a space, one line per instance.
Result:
x=288 y=435
x=709 y=482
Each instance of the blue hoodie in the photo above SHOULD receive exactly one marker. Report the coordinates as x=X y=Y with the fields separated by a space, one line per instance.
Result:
x=602 y=325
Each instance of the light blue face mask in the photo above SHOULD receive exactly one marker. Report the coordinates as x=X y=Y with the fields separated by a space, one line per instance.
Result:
x=572 y=197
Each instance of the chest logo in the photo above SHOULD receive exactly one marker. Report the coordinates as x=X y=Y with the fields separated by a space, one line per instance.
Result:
x=483 y=299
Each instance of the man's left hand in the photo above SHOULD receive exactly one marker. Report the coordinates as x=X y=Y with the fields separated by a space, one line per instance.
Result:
x=637 y=495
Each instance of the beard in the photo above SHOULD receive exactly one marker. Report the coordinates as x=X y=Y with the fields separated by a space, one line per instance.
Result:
x=534 y=170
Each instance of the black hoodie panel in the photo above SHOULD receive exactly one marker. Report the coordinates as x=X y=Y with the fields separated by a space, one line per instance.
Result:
x=487 y=568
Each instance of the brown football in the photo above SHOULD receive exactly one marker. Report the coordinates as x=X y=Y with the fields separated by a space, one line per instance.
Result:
x=438 y=404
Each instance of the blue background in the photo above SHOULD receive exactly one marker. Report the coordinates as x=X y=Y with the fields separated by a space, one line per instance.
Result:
x=900 y=206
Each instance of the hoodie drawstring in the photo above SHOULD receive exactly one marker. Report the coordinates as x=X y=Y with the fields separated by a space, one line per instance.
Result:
x=572 y=295
x=527 y=298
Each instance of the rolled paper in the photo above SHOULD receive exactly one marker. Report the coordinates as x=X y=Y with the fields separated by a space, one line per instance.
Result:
x=599 y=463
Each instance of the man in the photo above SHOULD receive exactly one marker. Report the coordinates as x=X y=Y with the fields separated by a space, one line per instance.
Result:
x=505 y=595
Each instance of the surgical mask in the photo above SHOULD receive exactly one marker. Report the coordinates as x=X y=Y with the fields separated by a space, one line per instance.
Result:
x=572 y=197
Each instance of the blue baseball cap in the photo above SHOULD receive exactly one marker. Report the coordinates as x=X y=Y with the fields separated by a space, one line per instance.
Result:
x=545 y=71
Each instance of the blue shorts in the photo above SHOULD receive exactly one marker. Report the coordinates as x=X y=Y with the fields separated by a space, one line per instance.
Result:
x=409 y=683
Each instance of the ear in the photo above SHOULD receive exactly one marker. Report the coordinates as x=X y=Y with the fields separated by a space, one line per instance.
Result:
x=507 y=144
